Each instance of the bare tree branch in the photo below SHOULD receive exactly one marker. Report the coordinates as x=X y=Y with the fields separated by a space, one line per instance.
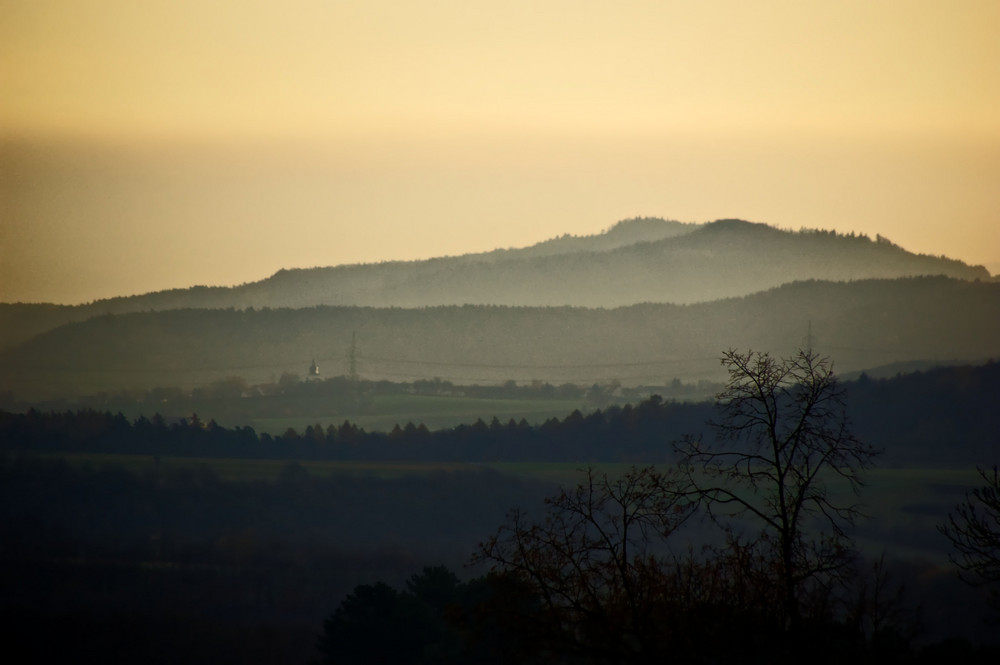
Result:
x=592 y=561
x=974 y=531
x=783 y=432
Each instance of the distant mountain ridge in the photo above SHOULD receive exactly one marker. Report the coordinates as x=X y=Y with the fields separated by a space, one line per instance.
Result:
x=631 y=246
x=635 y=261
x=624 y=233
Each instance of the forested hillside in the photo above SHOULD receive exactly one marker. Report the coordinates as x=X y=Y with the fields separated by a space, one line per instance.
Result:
x=861 y=324
x=636 y=261
x=717 y=260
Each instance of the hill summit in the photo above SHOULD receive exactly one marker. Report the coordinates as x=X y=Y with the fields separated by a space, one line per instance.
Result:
x=639 y=260
x=636 y=260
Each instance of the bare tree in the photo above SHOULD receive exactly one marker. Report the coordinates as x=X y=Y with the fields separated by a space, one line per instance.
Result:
x=974 y=531
x=592 y=565
x=782 y=436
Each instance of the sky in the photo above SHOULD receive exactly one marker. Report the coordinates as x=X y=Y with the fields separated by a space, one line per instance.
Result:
x=152 y=145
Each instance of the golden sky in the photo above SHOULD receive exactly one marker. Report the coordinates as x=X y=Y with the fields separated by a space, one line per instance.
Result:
x=157 y=144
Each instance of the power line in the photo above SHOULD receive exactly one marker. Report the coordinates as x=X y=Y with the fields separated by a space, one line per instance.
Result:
x=355 y=357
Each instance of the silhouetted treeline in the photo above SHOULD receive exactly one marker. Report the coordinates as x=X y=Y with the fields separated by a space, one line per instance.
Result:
x=438 y=619
x=616 y=434
x=945 y=416
x=941 y=416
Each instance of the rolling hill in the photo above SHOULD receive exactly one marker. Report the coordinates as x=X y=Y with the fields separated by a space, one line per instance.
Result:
x=629 y=264
x=636 y=261
x=861 y=324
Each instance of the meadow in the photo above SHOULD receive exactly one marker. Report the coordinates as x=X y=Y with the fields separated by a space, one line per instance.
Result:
x=904 y=506
x=385 y=411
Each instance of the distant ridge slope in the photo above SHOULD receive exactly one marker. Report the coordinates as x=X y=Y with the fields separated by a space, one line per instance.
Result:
x=640 y=260
x=861 y=324
x=635 y=261
x=718 y=260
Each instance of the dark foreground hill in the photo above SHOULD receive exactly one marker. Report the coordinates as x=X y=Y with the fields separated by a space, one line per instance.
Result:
x=861 y=324
x=636 y=261
x=172 y=561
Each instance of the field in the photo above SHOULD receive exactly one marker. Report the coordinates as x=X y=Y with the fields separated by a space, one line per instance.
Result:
x=364 y=521
x=435 y=412
x=248 y=470
x=268 y=470
x=904 y=506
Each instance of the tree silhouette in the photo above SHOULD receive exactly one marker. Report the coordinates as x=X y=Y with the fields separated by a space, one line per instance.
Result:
x=592 y=563
x=782 y=436
x=974 y=531
x=376 y=624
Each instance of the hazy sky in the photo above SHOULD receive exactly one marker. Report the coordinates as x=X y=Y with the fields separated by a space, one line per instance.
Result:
x=154 y=144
